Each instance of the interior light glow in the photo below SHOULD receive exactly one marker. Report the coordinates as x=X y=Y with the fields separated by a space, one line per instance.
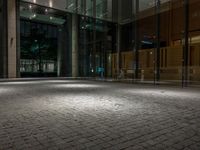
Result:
x=50 y=3
x=147 y=42
x=34 y=1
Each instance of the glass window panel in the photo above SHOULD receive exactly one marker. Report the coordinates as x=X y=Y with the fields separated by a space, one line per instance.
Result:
x=104 y=9
x=57 y=4
x=89 y=8
x=171 y=41
x=147 y=39
x=194 y=42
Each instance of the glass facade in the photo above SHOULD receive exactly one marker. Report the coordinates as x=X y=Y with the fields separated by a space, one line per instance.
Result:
x=96 y=45
x=38 y=48
x=101 y=9
x=156 y=41
x=3 y=40
x=159 y=41
x=194 y=41
x=1 y=37
x=41 y=32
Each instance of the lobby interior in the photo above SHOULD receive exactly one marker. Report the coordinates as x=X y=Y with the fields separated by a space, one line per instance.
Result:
x=99 y=74
x=133 y=41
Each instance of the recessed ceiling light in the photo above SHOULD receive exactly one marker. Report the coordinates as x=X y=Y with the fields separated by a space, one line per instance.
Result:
x=34 y=1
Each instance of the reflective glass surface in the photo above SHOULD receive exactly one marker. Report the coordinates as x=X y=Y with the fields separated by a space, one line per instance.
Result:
x=154 y=41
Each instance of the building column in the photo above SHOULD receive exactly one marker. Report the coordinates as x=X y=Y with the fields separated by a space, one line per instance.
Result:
x=157 y=68
x=136 y=37
x=75 y=45
x=59 y=55
x=12 y=38
x=64 y=49
x=18 y=47
x=8 y=39
x=119 y=39
x=185 y=72
x=118 y=49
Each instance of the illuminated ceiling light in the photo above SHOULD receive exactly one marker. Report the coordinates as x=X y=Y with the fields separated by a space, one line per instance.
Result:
x=34 y=15
x=50 y=3
x=46 y=10
x=30 y=7
x=34 y=1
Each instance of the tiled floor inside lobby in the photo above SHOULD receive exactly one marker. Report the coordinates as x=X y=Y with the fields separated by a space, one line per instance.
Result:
x=76 y=114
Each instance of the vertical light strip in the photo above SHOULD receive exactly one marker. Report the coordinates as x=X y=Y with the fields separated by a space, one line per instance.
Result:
x=50 y=3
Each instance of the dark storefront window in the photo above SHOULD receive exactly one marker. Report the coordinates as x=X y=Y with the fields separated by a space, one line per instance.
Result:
x=38 y=48
x=44 y=41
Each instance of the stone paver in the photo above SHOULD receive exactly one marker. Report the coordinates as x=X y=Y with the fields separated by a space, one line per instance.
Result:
x=87 y=115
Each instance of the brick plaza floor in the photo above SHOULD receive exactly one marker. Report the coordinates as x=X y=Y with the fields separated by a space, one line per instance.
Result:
x=89 y=115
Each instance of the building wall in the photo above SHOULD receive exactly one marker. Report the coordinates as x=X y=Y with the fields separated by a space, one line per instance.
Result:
x=98 y=41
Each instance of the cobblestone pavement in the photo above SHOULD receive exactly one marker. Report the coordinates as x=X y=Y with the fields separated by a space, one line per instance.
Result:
x=89 y=115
